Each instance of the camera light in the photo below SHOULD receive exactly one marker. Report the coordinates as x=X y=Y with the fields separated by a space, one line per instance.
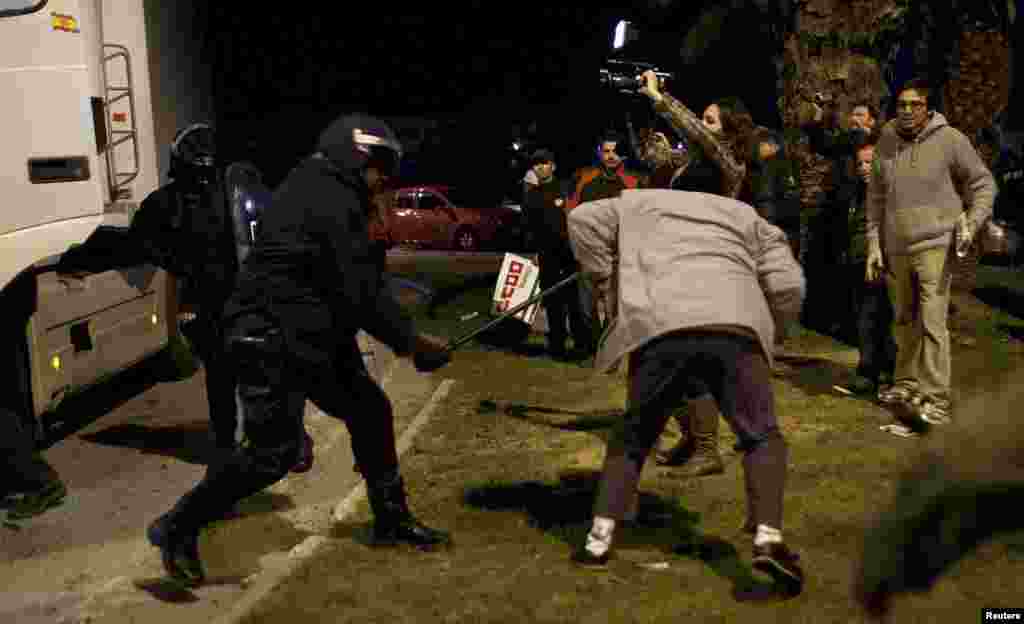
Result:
x=620 y=34
x=516 y=146
x=154 y=319
x=55 y=362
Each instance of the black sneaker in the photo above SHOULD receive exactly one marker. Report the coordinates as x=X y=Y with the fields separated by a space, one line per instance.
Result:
x=584 y=557
x=412 y=532
x=179 y=551
x=779 y=562
x=25 y=505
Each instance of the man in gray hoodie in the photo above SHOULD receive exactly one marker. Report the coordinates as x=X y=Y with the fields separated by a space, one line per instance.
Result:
x=925 y=173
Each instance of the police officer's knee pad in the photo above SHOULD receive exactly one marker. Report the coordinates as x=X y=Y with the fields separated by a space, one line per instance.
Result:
x=249 y=351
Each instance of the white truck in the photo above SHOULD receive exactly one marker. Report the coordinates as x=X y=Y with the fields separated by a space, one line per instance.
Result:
x=92 y=92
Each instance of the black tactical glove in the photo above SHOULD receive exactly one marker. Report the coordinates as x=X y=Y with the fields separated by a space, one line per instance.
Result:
x=430 y=353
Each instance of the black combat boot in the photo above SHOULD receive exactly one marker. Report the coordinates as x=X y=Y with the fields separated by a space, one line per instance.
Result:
x=394 y=523
x=179 y=549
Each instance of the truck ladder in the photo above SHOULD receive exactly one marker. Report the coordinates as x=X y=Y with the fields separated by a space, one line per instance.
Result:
x=114 y=93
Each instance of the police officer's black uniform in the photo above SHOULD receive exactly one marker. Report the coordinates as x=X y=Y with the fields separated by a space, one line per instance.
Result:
x=198 y=243
x=306 y=288
x=185 y=228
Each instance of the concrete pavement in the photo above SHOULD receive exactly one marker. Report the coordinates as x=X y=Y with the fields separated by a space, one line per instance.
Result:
x=88 y=560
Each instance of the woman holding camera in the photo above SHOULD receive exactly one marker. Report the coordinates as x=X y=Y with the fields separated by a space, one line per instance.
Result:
x=720 y=147
x=720 y=143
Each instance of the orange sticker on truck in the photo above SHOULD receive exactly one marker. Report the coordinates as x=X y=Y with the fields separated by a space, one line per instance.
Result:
x=64 y=22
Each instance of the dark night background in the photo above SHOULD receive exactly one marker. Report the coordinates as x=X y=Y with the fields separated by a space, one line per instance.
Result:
x=280 y=77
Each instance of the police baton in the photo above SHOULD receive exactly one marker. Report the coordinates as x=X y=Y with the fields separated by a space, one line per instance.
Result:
x=426 y=362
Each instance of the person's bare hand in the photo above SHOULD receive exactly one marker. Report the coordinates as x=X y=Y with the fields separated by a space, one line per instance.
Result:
x=652 y=85
x=875 y=265
x=819 y=112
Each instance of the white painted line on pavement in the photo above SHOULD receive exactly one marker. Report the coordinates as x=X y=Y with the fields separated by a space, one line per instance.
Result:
x=348 y=505
x=313 y=544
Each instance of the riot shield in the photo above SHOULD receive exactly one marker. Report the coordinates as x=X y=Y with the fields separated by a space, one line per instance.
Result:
x=248 y=197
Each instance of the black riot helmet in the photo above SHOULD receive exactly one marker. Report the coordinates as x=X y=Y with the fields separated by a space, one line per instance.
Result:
x=194 y=154
x=356 y=141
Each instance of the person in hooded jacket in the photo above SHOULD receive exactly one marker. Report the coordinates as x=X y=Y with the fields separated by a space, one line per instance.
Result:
x=929 y=193
x=308 y=286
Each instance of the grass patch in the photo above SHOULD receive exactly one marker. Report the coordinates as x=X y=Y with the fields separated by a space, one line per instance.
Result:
x=510 y=461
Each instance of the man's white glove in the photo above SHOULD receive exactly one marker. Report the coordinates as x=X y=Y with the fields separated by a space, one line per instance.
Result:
x=875 y=265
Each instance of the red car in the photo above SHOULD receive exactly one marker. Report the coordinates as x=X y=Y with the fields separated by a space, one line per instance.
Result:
x=433 y=217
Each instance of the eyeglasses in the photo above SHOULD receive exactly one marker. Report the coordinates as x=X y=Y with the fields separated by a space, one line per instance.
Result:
x=911 y=104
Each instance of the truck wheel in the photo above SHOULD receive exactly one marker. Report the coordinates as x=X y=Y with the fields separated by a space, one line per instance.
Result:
x=466 y=240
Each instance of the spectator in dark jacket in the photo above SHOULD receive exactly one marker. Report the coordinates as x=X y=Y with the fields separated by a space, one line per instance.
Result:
x=546 y=218
x=827 y=229
x=771 y=186
x=868 y=301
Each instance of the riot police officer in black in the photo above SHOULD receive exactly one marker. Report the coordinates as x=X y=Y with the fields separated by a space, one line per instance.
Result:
x=189 y=229
x=185 y=226
x=182 y=227
x=307 y=287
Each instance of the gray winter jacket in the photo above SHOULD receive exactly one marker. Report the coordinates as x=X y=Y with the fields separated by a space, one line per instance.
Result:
x=919 y=188
x=686 y=260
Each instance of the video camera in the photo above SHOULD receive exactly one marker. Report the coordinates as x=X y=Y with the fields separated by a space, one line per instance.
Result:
x=623 y=76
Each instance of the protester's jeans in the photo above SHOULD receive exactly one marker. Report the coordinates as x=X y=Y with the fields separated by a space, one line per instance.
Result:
x=919 y=289
x=681 y=366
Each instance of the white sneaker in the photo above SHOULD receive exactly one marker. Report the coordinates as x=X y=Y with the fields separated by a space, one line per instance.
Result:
x=934 y=411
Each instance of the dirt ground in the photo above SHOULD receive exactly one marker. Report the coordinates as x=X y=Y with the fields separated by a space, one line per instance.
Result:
x=516 y=486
